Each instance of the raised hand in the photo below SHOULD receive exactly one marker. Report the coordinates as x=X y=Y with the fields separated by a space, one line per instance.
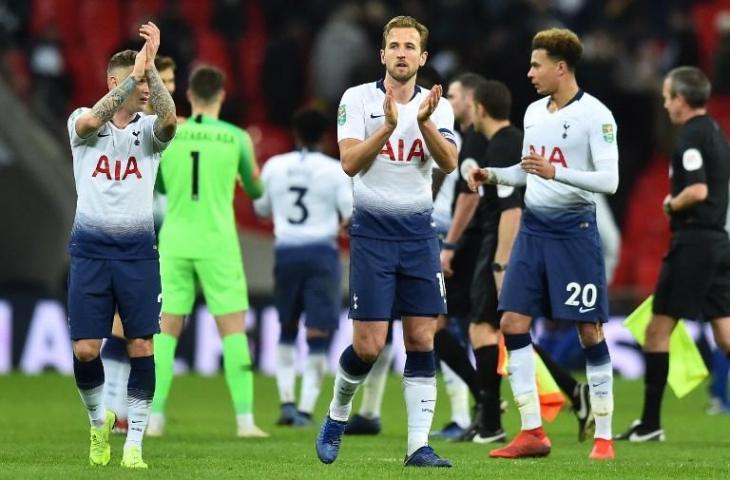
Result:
x=390 y=108
x=151 y=34
x=430 y=103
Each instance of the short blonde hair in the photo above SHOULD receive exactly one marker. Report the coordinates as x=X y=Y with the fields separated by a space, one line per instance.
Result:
x=561 y=44
x=405 y=21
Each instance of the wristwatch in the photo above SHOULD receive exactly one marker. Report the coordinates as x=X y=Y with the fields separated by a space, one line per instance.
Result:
x=448 y=246
x=498 y=267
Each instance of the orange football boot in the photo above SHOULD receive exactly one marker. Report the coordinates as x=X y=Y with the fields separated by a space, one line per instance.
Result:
x=529 y=443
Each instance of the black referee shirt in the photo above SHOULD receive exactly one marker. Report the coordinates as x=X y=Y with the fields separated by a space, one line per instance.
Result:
x=474 y=146
x=702 y=155
x=505 y=150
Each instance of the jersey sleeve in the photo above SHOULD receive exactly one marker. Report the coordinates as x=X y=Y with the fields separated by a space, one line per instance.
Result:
x=148 y=129
x=692 y=161
x=351 y=116
x=602 y=136
x=247 y=167
x=71 y=124
x=503 y=153
x=344 y=193
x=262 y=205
x=444 y=119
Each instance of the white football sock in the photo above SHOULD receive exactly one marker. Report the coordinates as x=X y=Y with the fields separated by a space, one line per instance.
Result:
x=374 y=386
x=521 y=367
x=285 y=372
x=600 y=384
x=420 y=396
x=314 y=368
x=93 y=399
x=458 y=392
x=138 y=413
x=344 y=389
x=116 y=374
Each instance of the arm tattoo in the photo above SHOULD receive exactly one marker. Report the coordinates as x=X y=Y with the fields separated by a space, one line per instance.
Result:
x=162 y=103
x=109 y=104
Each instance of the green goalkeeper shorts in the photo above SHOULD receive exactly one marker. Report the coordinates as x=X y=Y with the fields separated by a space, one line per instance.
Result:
x=222 y=279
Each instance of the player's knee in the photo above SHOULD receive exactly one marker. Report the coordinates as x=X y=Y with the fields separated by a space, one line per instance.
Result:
x=418 y=340
x=513 y=324
x=368 y=348
x=86 y=351
x=140 y=347
x=659 y=330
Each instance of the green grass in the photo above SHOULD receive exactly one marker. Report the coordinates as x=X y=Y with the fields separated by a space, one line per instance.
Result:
x=44 y=434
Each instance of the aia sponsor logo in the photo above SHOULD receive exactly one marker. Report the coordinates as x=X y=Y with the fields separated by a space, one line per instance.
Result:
x=416 y=151
x=556 y=155
x=113 y=171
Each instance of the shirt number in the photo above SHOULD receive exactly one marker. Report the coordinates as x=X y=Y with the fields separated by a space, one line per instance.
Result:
x=299 y=202
x=196 y=171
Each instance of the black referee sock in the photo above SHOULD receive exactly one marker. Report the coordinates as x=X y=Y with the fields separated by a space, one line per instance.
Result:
x=655 y=379
x=450 y=351
x=489 y=381
x=562 y=377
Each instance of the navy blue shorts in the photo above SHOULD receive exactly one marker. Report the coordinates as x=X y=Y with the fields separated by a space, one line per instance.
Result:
x=395 y=278
x=307 y=281
x=97 y=288
x=557 y=271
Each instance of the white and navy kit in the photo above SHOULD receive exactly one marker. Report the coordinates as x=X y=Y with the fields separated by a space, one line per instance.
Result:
x=394 y=262
x=114 y=260
x=308 y=194
x=556 y=268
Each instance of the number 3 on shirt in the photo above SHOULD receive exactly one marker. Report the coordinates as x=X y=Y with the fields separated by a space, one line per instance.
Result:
x=299 y=202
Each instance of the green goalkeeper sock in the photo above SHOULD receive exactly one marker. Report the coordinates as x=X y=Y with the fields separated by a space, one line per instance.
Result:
x=237 y=367
x=165 y=346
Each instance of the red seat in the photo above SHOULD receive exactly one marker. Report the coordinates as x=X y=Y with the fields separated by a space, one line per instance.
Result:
x=719 y=108
x=211 y=49
x=100 y=24
x=197 y=13
x=646 y=230
x=704 y=14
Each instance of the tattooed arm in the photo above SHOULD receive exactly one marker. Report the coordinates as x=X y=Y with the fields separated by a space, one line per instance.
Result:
x=105 y=108
x=162 y=105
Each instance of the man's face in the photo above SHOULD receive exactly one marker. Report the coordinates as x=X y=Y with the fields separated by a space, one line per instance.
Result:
x=457 y=98
x=477 y=115
x=168 y=79
x=544 y=72
x=673 y=105
x=139 y=98
x=402 y=55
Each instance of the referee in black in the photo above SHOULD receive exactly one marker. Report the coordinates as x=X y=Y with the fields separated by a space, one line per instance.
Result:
x=694 y=281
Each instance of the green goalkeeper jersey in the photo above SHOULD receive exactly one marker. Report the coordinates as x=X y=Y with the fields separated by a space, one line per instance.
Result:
x=198 y=173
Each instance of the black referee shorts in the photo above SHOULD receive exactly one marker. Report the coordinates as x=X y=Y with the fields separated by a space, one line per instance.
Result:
x=483 y=291
x=458 y=302
x=694 y=281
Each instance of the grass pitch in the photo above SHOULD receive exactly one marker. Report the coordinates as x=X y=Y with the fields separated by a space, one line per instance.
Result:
x=44 y=435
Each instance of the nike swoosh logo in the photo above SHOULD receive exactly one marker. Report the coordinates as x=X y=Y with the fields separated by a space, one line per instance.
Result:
x=372 y=115
x=596 y=385
x=427 y=401
x=584 y=310
x=635 y=437
x=100 y=135
x=529 y=126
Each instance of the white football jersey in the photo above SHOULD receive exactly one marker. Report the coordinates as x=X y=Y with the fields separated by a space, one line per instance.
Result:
x=392 y=197
x=306 y=193
x=115 y=171
x=574 y=136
